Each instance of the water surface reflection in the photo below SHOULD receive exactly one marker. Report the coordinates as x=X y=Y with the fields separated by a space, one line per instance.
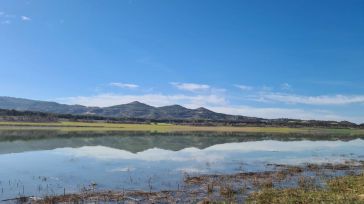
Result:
x=46 y=165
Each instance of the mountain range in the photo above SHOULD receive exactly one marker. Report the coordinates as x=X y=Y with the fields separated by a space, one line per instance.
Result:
x=137 y=110
x=130 y=110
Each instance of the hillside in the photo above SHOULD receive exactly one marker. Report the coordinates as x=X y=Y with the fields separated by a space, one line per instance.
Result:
x=131 y=110
x=140 y=112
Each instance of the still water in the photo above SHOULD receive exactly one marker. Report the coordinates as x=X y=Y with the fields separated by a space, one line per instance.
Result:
x=40 y=163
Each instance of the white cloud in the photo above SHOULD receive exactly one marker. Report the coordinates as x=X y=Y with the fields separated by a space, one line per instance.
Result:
x=191 y=86
x=244 y=87
x=10 y=16
x=266 y=88
x=25 y=18
x=213 y=102
x=286 y=86
x=215 y=99
x=6 y=22
x=124 y=85
x=311 y=100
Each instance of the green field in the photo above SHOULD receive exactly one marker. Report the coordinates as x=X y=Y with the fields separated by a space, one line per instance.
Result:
x=102 y=126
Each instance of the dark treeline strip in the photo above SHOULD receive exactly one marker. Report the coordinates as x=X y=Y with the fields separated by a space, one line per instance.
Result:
x=31 y=116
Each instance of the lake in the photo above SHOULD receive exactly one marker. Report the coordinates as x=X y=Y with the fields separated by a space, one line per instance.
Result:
x=40 y=163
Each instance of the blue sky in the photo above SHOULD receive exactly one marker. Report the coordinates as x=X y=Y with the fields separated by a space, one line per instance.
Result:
x=297 y=59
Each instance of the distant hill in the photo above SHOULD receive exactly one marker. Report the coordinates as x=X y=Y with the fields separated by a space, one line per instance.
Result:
x=40 y=106
x=141 y=112
x=131 y=110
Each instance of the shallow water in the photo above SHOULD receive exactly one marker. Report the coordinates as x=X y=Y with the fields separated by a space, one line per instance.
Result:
x=54 y=164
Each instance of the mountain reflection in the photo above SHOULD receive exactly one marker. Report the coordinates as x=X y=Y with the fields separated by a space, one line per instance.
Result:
x=14 y=141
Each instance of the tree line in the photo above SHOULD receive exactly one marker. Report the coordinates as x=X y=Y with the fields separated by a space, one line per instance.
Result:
x=32 y=116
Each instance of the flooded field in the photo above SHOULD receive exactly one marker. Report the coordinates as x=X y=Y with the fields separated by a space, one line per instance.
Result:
x=48 y=163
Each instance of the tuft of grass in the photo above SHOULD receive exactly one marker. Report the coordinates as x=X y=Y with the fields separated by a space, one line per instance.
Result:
x=227 y=191
x=347 y=189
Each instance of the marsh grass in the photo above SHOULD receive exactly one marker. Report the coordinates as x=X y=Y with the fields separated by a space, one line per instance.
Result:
x=249 y=187
x=311 y=183
x=347 y=189
x=67 y=126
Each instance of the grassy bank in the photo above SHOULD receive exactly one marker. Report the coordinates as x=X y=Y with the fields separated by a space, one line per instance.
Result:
x=102 y=126
x=347 y=189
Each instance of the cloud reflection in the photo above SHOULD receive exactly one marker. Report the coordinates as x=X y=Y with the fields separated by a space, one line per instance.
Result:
x=302 y=151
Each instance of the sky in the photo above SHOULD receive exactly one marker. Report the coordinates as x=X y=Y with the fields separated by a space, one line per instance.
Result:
x=273 y=59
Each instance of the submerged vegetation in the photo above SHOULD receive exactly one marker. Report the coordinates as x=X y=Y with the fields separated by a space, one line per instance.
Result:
x=310 y=183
